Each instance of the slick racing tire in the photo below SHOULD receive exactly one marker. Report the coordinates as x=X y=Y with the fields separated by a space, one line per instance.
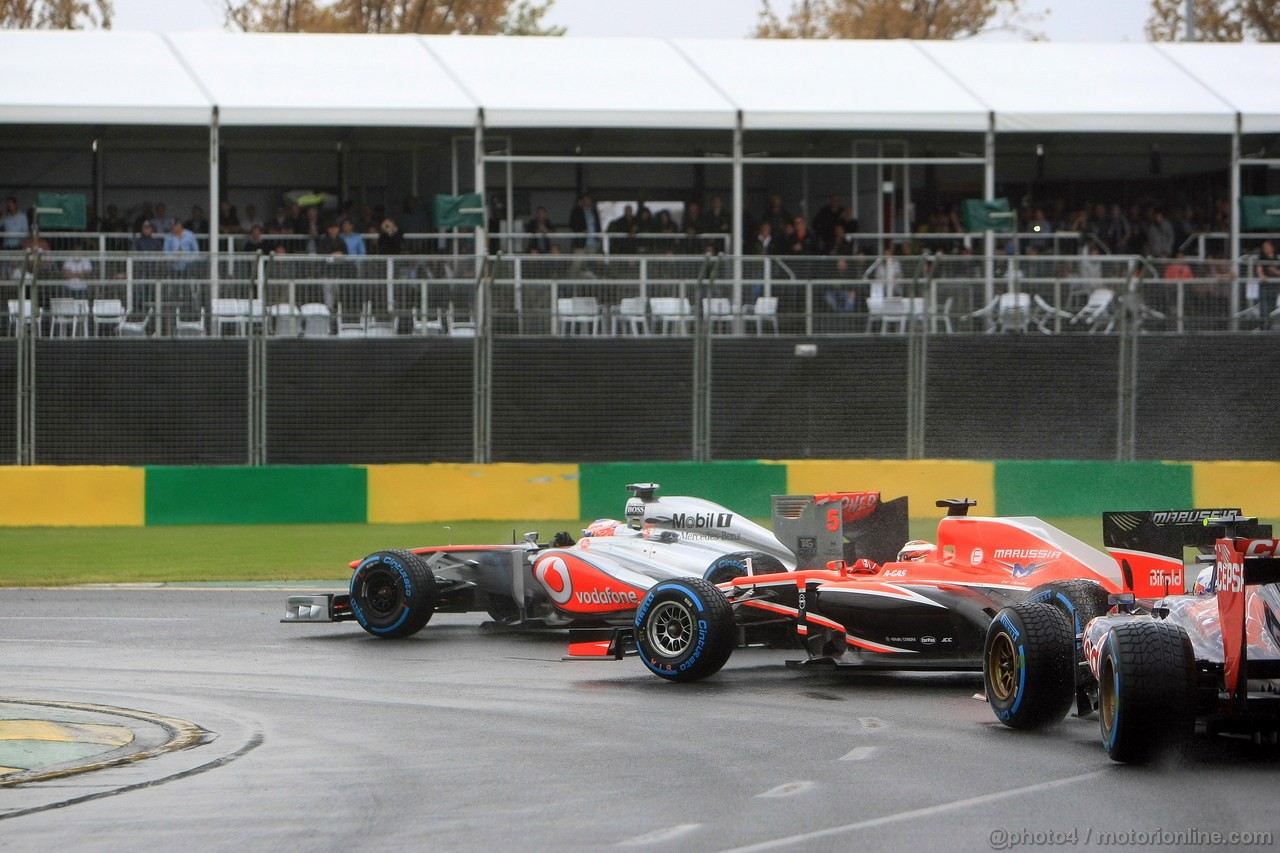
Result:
x=1081 y=601
x=1146 y=684
x=393 y=594
x=1027 y=665
x=684 y=629
x=734 y=565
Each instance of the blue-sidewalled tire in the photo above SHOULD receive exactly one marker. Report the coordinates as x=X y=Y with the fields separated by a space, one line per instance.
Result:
x=685 y=629
x=1028 y=665
x=1146 y=690
x=393 y=594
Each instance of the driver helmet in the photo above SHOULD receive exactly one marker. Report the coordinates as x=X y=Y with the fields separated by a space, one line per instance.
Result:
x=1204 y=582
x=603 y=527
x=915 y=551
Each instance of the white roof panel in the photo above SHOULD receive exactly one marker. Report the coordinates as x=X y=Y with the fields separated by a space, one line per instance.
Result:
x=1087 y=88
x=551 y=82
x=60 y=77
x=1247 y=76
x=324 y=80
x=785 y=84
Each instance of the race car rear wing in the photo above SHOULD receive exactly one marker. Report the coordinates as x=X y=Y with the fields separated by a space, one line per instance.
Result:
x=1148 y=545
x=1239 y=562
x=840 y=526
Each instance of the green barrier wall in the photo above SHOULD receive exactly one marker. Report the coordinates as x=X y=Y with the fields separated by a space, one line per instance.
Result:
x=1077 y=489
x=744 y=486
x=256 y=495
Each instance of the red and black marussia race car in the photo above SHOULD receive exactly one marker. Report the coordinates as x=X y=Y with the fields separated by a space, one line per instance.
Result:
x=927 y=608
x=1207 y=660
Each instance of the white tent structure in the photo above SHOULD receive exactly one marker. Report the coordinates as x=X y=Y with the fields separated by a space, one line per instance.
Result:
x=479 y=84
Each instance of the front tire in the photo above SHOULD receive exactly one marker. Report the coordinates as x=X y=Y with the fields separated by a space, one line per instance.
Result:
x=684 y=629
x=1028 y=665
x=393 y=594
x=1146 y=684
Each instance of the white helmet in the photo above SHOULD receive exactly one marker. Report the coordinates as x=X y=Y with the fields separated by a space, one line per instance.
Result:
x=915 y=551
x=1204 y=582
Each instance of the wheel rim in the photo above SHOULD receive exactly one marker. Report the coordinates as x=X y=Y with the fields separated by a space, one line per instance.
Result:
x=670 y=629
x=1107 y=695
x=1002 y=664
x=381 y=592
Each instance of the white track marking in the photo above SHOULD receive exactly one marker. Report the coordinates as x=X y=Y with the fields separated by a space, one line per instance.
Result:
x=790 y=789
x=915 y=814
x=858 y=753
x=658 y=836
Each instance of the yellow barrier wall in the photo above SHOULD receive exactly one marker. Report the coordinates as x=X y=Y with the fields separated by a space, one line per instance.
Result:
x=1252 y=486
x=66 y=496
x=924 y=482
x=451 y=492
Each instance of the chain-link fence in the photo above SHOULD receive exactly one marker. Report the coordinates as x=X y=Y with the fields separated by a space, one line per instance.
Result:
x=147 y=358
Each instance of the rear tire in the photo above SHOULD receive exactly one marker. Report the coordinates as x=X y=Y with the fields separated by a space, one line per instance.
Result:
x=1027 y=665
x=393 y=594
x=1081 y=601
x=684 y=629
x=734 y=565
x=1146 y=688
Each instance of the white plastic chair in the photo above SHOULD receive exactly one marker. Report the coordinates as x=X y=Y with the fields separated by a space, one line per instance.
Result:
x=26 y=310
x=672 y=313
x=107 y=313
x=135 y=328
x=578 y=314
x=357 y=328
x=424 y=325
x=458 y=328
x=231 y=312
x=315 y=320
x=189 y=328
x=68 y=316
x=718 y=312
x=765 y=310
x=886 y=311
x=286 y=320
x=1098 y=312
x=631 y=315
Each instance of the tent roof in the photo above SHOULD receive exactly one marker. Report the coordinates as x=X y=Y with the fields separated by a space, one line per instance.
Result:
x=786 y=84
x=550 y=82
x=58 y=77
x=442 y=81
x=323 y=80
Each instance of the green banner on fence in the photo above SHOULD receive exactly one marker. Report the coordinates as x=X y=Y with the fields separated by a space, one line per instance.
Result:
x=1260 y=212
x=61 y=210
x=982 y=215
x=459 y=211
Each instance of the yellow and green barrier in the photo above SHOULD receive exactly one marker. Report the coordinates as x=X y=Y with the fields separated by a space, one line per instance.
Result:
x=88 y=496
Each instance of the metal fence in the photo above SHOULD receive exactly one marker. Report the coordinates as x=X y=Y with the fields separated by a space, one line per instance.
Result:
x=265 y=359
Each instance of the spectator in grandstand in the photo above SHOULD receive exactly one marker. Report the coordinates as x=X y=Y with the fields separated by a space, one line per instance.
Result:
x=1039 y=225
x=390 y=237
x=228 y=219
x=312 y=229
x=75 y=270
x=179 y=240
x=162 y=220
x=802 y=241
x=1178 y=268
x=14 y=225
x=824 y=222
x=1159 y=236
x=716 y=220
x=145 y=214
x=888 y=275
x=689 y=221
x=644 y=225
x=330 y=242
x=412 y=220
x=147 y=241
x=255 y=242
x=666 y=226
x=541 y=227
x=1117 y=232
x=112 y=222
x=777 y=215
x=584 y=219
x=250 y=218
x=763 y=243
x=198 y=224
x=354 y=241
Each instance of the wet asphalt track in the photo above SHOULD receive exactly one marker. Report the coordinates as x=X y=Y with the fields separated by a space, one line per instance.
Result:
x=322 y=738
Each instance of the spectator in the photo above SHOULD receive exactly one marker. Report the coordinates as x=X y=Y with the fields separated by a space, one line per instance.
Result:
x=146 y=215
x=255 y=242
x=541 y=227
x=824 y=222
x=777 y=215
x=1159 y=236
x=716 y=220
x=198 y=224
x=112 y=222
x=644 y=225
x=1267 y=269
x=75 y=270
x=330 y=242
x=1041 y=227
x=412 y=219
x=663 y=224
x=147 y=241
x=888 y=275
x=179 y=240
x=14 y=225
x=1118 y=233
x=584 y=219
x=390 y=237
x=162 y=220
x=1178 y=269
x=250 y=218
x=802 y=241
x=228 y=219
x=354 y=241
x=311 y=228
x=763 y=243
